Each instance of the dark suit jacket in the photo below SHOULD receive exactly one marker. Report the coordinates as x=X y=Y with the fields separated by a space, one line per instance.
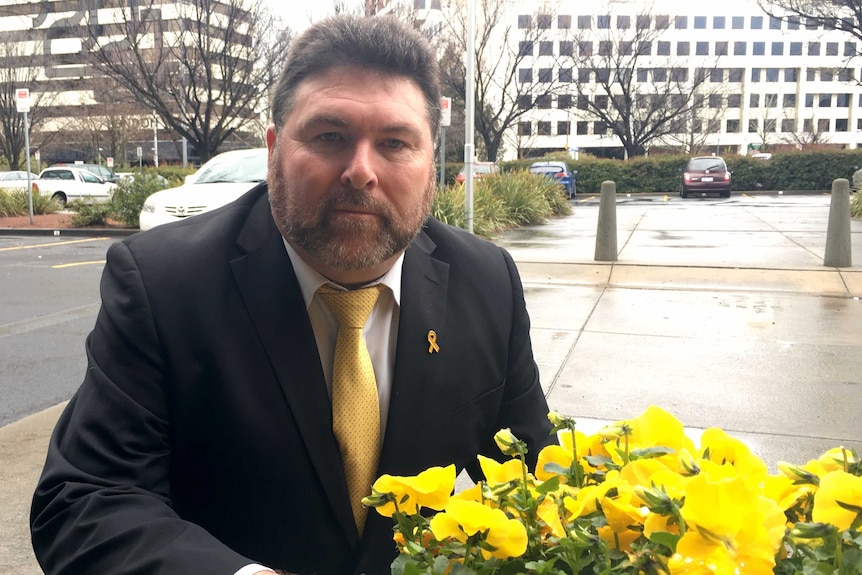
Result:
x=201 y=438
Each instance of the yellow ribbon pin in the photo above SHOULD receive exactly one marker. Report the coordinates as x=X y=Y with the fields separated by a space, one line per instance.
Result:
x=432 y=339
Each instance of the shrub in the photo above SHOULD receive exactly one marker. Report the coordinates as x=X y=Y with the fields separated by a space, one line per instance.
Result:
x=130 y=194
x=15 y=203
x=856 y=205
x=89 y=212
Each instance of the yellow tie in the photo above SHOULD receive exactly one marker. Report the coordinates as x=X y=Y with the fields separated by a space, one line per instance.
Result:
x=355 y=406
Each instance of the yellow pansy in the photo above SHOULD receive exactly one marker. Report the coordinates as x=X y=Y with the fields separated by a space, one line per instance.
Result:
x=718 y=447
x=496 y=472
x=833 y=460
x=784 y=491
x=838 y=490
x=549 y=513
x=462 y=519
x=431 y=488
x=656 y=427
x=625 y=515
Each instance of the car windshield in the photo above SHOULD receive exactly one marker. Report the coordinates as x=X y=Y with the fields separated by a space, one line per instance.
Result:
x=481 y=169
x=703 y=164
x=250 y=167
x=546 y=169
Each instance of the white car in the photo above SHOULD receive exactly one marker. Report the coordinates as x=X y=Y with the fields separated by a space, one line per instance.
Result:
x=221 y=180
x=15 y=180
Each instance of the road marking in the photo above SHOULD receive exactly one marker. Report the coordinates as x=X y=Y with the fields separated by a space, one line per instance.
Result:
x=61 y=266
x=28 y=325
x=15 y=248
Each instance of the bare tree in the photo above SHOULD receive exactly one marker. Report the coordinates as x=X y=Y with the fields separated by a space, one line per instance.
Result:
x=507 y=86
x=843 y=15
x=692 y=129
x=630 y=85
x=19 y=68
x=814 y=133
x=206 y=73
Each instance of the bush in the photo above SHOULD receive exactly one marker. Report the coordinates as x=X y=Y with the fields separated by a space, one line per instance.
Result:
x=15 y=203
x=130 y=194
x=856 y=205
x=88 y=212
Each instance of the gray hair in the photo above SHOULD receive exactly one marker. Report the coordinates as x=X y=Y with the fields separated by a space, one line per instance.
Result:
x=379 y=43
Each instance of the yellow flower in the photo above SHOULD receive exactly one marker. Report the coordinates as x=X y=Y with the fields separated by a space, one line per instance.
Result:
x=462 y=519
x=549 y=513
x=431 y=488
x=784 y=491
x=656 y=427
x=838 y=490
x=718 y=447
x=625 y=515
x=731 y=528
x=496 y=472
x=506 y=441
x=833 y=460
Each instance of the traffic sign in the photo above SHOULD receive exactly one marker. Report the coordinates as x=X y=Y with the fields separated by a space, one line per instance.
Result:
x=110 y=161
x=22 y=99
x=445 y=112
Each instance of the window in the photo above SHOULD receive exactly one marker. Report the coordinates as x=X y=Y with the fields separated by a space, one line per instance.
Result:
x=807 y=126
x=585 y=22
x=758 y=48
x=827 y=75
x=567 y=48
x=525 y=48
x=543 y=21
x=680 y=22
x=544 y=128
x=525 y=75
x=603 y=75
x=659 y=75
x=809 y=100
x=823 y=125
x=583 y=103
x=564 y=101
x=565 y=75
x=713 y=125
x=715 y=100
x=524 y=102
x=543 y=102
x=601 y=102
x=663 y=49
x=770 y=125
x=755 y=74
x=788 y=125
x=753 y=126
x=831 y=48
x=643 y=20
x=606 y=48
x=842 y=100
x=735 y=74
x=814 y=48
x=418 y=4
x=810 y=74
x=796 y=48
x=546 y=75
x=525 y=128
x=718 y=22
x=739 y=48
x=683 y=48
x=603 y=22
x=662 y=21
x=696 y=126
x=754 y=101
x=583 y=128
x=679 y=74
x=563 y=128
x=642 y=74
x=585 y=48
x=734 y=100
x=716 y=75
x=789 y=100
x=546 y=48
x=849 y=49
x=824 y=101
x=584 y=75
x=793 y=22
x=702 y=48
x=845 y=75
x=778 y=48
x=624 y=22
x=600 y=128
x=700 y=22
x=811 y=24
x=770 y=100
x=564 y=22
x=732 y=126
x=757 y=22
x=645 y=48
x=721 y=48
x=774 y=23
x=772 y=74
x=841 y=124
x=737 y=22
x=524 y=20
x=626 y=48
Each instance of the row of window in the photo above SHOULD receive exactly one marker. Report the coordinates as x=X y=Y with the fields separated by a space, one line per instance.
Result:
x=715 y=75
x=755 y=126
x=684 y=48
x=663 y=22
x=601 y=101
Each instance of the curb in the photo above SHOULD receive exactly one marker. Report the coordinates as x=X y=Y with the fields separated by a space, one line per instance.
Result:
x=74 y=232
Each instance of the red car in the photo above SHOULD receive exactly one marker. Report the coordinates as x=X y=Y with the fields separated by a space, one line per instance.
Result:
x=480 y=170
x=705 y=175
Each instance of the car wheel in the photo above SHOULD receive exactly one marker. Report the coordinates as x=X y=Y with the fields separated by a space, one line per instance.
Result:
x=683 y=193
x=60 y=198
x=726 y=193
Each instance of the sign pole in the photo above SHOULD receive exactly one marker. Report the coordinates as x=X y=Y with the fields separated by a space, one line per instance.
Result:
x=22 y=103
x=445 y=121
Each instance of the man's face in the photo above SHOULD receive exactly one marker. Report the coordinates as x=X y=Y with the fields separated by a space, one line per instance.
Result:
x=351 y=175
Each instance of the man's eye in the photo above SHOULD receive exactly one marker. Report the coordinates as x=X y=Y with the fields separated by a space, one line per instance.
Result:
x=330 y=137
x=393 y=144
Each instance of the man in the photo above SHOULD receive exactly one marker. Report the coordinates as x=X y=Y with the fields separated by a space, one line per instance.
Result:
x=203 y=439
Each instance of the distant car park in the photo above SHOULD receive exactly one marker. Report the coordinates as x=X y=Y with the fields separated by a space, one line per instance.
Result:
x=559 y=172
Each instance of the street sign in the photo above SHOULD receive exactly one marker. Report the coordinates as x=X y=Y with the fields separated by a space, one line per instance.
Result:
x=110 y=161
x=140 y=151
x=445 y=112
x=37 y=155
x=22 y=99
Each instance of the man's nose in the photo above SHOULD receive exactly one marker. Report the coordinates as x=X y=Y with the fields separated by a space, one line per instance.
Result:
x=360 y=170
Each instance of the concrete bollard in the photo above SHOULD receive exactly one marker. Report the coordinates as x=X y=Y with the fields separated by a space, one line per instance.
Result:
x=838 y=231
x=606 y=234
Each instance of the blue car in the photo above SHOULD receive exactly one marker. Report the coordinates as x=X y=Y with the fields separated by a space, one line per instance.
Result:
x=560 y=172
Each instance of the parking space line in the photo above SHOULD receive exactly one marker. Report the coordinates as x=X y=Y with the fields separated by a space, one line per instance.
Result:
x=51 y=244
x=61 y=266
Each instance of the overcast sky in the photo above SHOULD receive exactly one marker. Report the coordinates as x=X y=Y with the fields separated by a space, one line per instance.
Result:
x=298 y=13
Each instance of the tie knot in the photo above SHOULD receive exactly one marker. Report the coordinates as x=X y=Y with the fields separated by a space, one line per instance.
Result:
x=351 y=308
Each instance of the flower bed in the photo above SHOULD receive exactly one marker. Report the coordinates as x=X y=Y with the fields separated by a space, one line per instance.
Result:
x=638 y=497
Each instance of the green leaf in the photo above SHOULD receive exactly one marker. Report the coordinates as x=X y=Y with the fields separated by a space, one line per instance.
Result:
x=669 y=540
x=550 y=485
x=651 y=452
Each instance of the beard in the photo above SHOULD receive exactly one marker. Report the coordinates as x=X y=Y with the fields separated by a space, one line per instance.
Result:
x=341 y=242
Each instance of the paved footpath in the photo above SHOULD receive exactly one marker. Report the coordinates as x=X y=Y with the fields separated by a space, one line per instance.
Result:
x=723 y=316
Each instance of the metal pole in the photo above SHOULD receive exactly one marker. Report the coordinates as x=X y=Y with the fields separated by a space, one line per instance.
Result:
x=470 y=113
x=442 y=157
x=29 y=182
x=155 y=140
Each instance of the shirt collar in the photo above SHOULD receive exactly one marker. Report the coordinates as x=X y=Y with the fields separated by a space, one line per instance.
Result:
x=310 y=279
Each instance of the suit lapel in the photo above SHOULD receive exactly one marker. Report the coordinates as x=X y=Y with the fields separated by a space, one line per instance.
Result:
x=274 y=301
